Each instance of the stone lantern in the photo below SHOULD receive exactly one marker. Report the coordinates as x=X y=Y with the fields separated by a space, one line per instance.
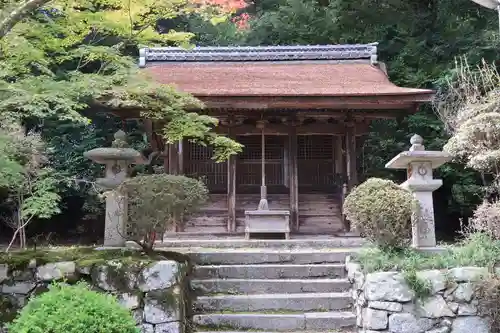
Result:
x=117 y=160
x=419 y=164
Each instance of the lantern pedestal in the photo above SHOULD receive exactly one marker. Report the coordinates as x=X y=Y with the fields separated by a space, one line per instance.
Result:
x=117 y=159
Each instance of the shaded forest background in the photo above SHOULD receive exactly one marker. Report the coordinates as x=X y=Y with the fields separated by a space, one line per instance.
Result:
x=419 y=41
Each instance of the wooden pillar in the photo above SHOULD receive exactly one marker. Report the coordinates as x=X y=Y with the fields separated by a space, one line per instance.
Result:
x=173 y=162
x=351 y=167
x=231 y=191
x=286 y=164
x=166 y=158
x=180 y=158
x=293 y=171
x=263 y=204
x=339 y=156
x=149 y=129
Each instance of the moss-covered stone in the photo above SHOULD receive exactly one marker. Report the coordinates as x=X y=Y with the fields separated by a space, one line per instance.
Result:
x=9 y=306
x=118 y=275
x=116 y=271
x=84 y=257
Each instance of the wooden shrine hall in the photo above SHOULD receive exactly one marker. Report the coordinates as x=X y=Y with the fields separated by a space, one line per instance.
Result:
x=299 y=111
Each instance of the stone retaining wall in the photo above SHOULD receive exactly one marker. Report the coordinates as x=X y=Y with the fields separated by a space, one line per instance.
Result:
x=154 y=292
x=384 y=302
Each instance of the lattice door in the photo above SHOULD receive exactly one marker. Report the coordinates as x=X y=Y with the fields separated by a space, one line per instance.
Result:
x=315 y=155
x=248 y=170
x=199 y=164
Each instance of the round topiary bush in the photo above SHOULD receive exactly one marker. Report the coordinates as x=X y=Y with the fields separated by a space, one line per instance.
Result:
x=73 y=309
x=381 y=211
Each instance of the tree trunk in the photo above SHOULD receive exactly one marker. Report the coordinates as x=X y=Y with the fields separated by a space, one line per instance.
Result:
x=22 y=230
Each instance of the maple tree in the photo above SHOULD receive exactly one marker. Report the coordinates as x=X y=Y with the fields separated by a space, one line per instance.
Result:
x=225 y=9
x=227 y=5
x=80 y=54
x=73 y=58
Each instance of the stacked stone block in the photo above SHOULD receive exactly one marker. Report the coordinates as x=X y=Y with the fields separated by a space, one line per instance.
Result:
x=384 y=302
x=155 y=293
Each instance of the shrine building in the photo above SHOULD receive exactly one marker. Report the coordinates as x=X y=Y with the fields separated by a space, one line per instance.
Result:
x=299 y=111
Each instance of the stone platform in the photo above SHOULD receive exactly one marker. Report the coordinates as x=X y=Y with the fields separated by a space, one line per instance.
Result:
x=225 y=241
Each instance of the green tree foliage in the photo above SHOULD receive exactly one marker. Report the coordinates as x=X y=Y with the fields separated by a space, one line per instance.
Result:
x=29 y=183
x=210 y=33
x=443 y=29
x=64 y=65
x=11 y=170
x=11 y=12
x=78 y=55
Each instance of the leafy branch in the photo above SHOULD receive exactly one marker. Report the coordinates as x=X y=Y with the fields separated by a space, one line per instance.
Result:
x=11 y=15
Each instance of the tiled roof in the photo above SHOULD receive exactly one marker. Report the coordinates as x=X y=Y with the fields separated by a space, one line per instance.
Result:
x=327 y=70
x=278 y=79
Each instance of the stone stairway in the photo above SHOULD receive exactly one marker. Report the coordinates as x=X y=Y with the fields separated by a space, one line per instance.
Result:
x=270 y=286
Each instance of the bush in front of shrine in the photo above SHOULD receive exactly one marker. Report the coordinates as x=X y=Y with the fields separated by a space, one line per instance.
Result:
x=381 y=211
x=73 y=309
x=157 y=201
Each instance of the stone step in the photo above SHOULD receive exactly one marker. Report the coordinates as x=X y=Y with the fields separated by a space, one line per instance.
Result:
x=270 y=286
x=274 y=302
x=206 y=256
x=234 y=243
x=309 y=321
x=270 y=271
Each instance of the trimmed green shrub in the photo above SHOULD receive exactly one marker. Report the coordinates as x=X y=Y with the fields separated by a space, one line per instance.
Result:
x=73 y=309
x=159 y=200
x=381 y=211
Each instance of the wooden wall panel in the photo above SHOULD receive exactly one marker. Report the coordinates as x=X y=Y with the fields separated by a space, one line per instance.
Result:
x=208 y=222
x=210 y=219
x=319 y=214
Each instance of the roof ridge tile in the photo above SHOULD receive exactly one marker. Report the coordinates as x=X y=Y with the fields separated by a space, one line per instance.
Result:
x=259 y=53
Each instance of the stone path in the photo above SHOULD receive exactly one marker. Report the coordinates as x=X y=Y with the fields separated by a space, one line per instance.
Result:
x=270 y=286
